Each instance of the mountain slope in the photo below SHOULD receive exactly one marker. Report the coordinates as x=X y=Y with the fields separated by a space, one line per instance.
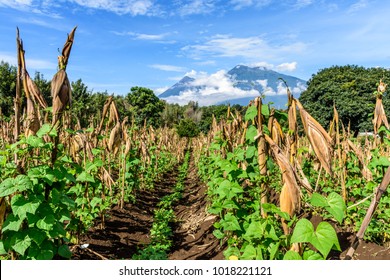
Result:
x=237 y=86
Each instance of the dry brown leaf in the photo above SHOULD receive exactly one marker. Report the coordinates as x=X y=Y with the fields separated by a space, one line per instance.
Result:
x=115 y=139
x=367 y=174
x=290 y=200
x=379 y=115
x=319 y=139
x=61 y=94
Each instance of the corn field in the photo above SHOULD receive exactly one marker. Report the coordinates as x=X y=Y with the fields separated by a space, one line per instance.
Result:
x=267 y=174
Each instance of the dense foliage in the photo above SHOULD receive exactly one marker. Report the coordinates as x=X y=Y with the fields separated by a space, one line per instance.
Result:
x=7 y=87
x=350 y=88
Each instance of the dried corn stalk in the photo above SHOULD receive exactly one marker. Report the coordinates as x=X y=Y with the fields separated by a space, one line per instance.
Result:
x=262 y=153
x=292 y=134
x=319 y=139
x=290 y=201
x=275 y=129
x=18 y=95
x=367 y=174
x=115 y=140
x=379 y=113
x=33 y=94
x=60 y=86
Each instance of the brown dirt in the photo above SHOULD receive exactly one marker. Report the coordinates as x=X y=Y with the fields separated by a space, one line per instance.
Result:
x=128 y=229
x=125 y=229
x=194 y=239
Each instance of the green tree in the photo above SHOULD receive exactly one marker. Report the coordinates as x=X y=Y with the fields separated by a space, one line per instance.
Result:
x=97 y=99
x=172 y=114
x=44 y=86
x=145 y=106
x=82 y=107
x=187 y=128
x=351 y=89
x=7 y=88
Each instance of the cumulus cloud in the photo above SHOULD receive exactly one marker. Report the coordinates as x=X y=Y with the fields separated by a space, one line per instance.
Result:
x=158 y=91
x=211 y=89
x=289 y=67
x=280 y=88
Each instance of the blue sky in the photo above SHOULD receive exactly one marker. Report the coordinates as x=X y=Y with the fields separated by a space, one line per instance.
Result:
x=154 y=43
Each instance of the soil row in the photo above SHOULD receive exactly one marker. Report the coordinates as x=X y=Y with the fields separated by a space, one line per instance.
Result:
x=127 y=230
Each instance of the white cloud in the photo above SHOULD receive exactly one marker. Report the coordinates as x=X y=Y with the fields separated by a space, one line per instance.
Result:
x=239 y=4
x=359 y=5
x=195 y=7
x=253 y=47
x=165 y=67
x=206 y=62
x=121 y=7
x=283 y=67
x=31 y=64
x=45 y=23
x=208 y=89
x=153 y=37
x=158 y=91
x=211 y=89
x=267 y=90
x=289 y=67
x=280 y=88
x=263 y=64
x=299 y=4
x=16 y=4
x=157 y=38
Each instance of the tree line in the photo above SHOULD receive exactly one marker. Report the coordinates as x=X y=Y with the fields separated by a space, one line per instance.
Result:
x=351 y=89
